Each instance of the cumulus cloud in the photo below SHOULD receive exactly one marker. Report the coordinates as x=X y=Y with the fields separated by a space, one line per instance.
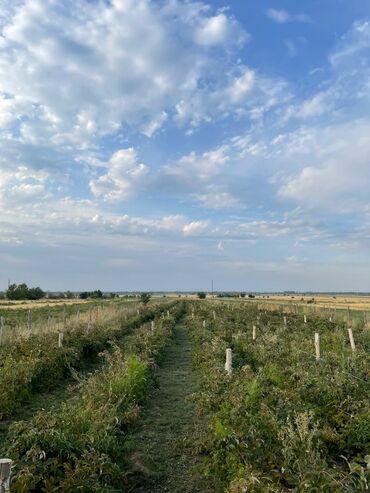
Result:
x=151 y=56
x=124 y=175
x=335 y=170
x=219 y=30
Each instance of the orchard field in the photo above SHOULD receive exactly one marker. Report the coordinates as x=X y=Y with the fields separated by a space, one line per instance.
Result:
x=185 y=396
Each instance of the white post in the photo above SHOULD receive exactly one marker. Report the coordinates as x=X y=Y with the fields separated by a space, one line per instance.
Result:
x=254 y=333
x=317 y=345
x=214 y=315
x=137 y=311
x=29 y=320
x=2 y=323
x=168 y=313
x=192 y=314
x=5 y=472
x=229 y=361
x=152 y=324
x=204 y=323
x=60 y=339
x=285 y=322
x=352 y=340
x=305 y=318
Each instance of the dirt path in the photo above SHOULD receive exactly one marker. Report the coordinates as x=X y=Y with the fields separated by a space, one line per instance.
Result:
x=162 y=457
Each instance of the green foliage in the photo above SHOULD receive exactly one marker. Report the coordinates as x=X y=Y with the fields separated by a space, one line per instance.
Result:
x=91 y=294
x=201 y=295
x=282 y=421
x=145 y=298
x=36 y=363
x=23 y=292
x=78 y=446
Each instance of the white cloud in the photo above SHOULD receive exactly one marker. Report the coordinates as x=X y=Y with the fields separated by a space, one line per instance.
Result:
x=353 y=44
x=215 y=197
x=335 y=172
x=195 y=228
x=219 y=30
x=241 y=86
x=152 y=57
x=194 y=168
x=282 y=16
x=123 y=176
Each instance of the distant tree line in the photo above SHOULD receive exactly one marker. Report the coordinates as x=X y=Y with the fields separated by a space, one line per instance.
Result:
x=91 y=294
x=23 y=292
x=234 y=295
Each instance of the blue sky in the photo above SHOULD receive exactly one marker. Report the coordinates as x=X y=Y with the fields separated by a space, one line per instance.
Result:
x=156 y=145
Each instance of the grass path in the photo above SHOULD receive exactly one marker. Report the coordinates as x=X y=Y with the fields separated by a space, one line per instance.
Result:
x=161 y=455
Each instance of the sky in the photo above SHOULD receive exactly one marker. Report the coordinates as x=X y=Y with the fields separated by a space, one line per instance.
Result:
x=159 y=145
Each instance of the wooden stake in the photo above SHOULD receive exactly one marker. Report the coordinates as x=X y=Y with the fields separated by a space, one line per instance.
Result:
x=204 y=323
x=168 y=313
x=285 y=321
x=351 y=340
x=29 y=320
x=5 y=472
x=214 y=315
x=229 y=361
x=152 y=324
x=305 y=318
x=254 y=333
x=89 y=325
x=2 y=324
x=60 y=339
x=317 y=345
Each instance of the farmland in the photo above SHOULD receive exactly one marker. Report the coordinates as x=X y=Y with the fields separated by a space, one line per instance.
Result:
x=138 y=398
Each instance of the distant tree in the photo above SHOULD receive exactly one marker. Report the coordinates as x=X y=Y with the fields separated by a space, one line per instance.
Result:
x=251 y=296
x=145 y=298
x=22 y=292
x=35 y=293
x=242 y=295
x=91 y=294
x=201 y=295
x=69 y=295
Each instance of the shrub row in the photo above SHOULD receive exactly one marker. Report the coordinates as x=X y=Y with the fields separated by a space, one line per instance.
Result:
x=37 y=363
x=78 y=447
x=282 y=421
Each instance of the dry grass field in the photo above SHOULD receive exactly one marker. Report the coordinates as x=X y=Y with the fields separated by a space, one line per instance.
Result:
x=360 y=302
